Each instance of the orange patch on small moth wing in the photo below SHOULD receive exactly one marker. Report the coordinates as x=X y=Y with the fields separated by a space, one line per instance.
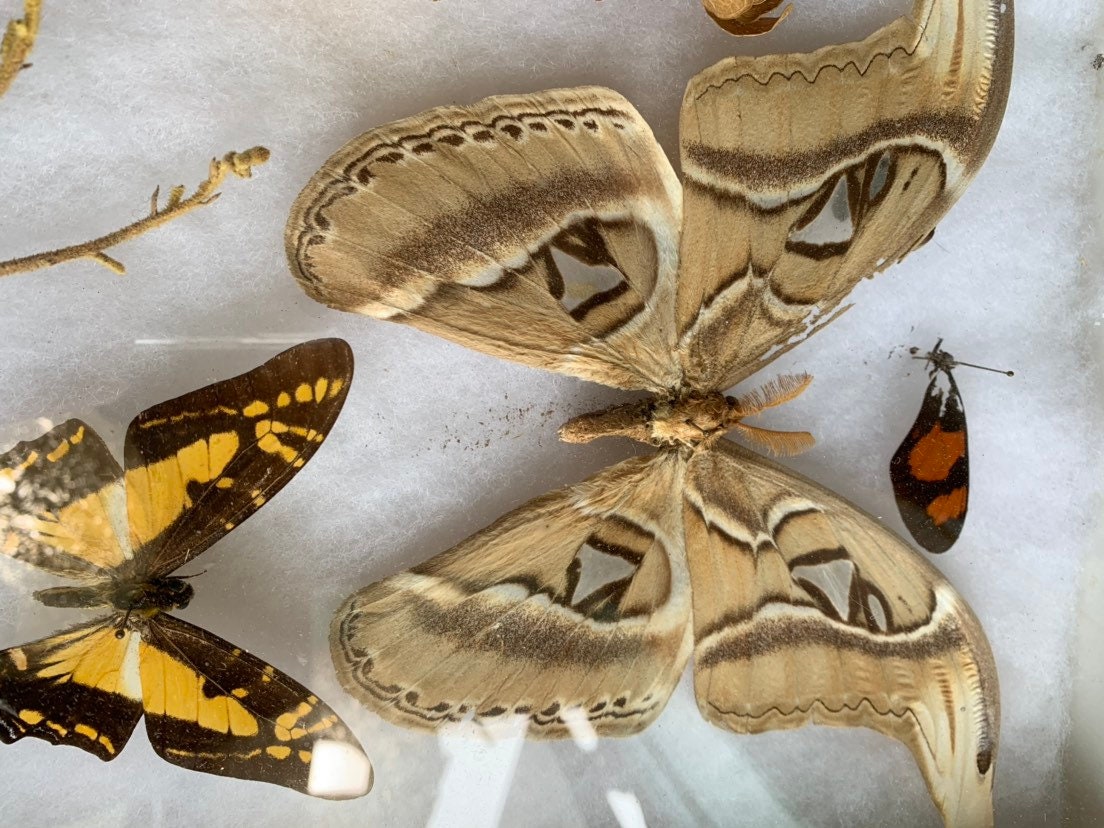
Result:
x=932 y=458
x=948 y=507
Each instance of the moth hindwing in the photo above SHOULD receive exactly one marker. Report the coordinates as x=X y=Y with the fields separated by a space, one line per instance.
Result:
x=550 y=229
x=195 y=467
x=930 y=471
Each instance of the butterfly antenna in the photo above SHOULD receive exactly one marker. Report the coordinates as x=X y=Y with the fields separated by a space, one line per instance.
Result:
x=193 y=575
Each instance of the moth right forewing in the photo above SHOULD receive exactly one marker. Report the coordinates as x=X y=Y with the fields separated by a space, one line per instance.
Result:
x=447 y=221
x=805 y=173
x=509 y=622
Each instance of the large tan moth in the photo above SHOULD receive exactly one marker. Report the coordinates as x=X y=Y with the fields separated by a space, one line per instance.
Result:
x=802 y=174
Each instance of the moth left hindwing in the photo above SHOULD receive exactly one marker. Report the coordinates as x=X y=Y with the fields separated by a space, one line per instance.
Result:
x=196 y=466
x=930 y=471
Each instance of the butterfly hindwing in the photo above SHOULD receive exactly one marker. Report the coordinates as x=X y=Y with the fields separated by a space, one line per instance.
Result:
x=575 y=605
x=807 y=610
x=214 y=708
x=452 y=221
x=62 y=502
x=200 y=464
x=79 y=687
x=805 y=173
x=930 y=470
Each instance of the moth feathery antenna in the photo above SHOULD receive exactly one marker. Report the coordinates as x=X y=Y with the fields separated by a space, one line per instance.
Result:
x=778 y=443
x=779 y=390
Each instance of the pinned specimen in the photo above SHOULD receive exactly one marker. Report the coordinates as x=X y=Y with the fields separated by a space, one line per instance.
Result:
x=196 y=467
x=930 y=470
x=745 y=17
x=802 y=175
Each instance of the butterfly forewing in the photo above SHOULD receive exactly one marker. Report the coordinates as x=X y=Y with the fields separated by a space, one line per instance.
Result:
x=806 y=610
x=806 y=173
x=574 y=605
x=930 y=470
x=212 y=707
x=199 y=465
x=449 y=221
x=79 y=687
x=62 y=503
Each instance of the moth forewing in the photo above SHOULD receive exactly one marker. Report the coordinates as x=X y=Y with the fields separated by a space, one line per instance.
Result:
x=880 y=137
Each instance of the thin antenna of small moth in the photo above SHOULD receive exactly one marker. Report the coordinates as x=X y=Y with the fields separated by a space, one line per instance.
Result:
x=778 y=443
x=954 y=363
x=984 y=368
x=779 y=390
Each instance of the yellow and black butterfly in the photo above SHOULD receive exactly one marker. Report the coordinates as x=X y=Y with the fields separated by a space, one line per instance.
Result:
x=196 y=467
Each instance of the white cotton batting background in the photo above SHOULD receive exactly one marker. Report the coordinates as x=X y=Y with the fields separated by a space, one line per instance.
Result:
x=436 y=441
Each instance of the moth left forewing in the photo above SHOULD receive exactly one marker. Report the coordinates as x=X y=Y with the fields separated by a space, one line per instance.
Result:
x=808 y=611
x=452 y=221
x=805 y=173
x=573 y=607
x=200 y=464
x=214 y=708
x=79 y=687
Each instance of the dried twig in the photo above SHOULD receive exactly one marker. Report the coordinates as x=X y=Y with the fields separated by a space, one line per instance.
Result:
x=239 y=163
x=18 y=40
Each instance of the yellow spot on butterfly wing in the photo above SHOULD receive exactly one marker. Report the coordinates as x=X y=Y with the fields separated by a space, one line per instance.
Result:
x=320 y=389
x=86 y=731
x=171 y=688
x=304 y=393
x=255 y=409
x=157 y=494
x=278 y=751
x=59 y=452
x=283 y=400
x=31 y=717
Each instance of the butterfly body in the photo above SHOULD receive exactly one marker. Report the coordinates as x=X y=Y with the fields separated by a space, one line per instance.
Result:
x=801 y=175
x=145 y=597
x=195 y=468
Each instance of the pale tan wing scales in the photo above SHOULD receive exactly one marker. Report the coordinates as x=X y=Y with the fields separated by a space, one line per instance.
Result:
x=805 y=173
x=576 y=605
x=806 y=610
x=448 y=221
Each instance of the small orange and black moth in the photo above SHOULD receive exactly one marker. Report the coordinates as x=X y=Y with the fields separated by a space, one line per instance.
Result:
x=195 y=467
x=930 y=471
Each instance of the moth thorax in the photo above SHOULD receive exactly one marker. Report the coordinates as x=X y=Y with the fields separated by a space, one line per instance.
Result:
x=694 y=418
x=676 y=421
